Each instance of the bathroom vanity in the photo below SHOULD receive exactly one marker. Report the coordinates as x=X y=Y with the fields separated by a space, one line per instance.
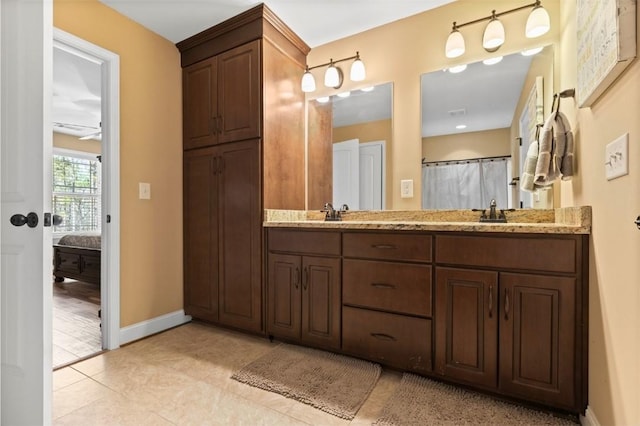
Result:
x=497 y=307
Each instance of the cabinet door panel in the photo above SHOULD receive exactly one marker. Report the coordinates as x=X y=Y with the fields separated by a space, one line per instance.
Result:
x=199 y=86
x=467 y=325
x=537 y=338
x=240 y=235
x=284 y=287
x=321 y=301
x=239 y=93
x=200 y=234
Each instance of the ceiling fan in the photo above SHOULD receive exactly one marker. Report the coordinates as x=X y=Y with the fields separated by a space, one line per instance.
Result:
x=79 y=130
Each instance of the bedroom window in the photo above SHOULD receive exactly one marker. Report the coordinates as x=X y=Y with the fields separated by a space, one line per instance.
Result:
x=76 y=193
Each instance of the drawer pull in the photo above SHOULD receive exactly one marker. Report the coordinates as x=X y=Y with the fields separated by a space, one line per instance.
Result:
x=383 y=285
x=384 y=246
x=382 y=336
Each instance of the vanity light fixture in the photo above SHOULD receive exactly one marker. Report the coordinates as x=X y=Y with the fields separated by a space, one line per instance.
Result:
x=538 y=23
x=333 y=76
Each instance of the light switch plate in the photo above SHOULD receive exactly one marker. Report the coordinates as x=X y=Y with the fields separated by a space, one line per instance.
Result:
x=406 y=188
x=616 y=161
x=144 y=190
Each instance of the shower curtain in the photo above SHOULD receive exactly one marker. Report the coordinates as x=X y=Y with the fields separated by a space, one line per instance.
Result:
x=465 y=184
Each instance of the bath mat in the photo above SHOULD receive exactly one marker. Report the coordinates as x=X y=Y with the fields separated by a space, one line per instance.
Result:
x=420 y=401
x=336 y=384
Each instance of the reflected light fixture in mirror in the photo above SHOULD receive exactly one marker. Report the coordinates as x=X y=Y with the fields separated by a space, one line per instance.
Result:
x=333 y=76
x=538 y=23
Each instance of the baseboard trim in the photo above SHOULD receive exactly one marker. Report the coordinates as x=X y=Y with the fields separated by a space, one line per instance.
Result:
x=155 y=325
x=589 y=418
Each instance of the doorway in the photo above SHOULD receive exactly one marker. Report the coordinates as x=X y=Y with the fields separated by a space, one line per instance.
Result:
x=100 y=286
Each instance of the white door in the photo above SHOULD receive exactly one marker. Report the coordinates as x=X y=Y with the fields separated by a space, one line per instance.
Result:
x=346 y=174
x=372 y=175
x=25 y=129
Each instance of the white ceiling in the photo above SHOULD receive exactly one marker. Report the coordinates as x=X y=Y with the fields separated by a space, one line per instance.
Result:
x=316 y=21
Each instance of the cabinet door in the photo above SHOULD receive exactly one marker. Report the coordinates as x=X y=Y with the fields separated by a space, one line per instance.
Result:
x=284 y=288
x=201 y=234
x=199 y=104
x=321 y=305
x=240 y=242
x=537 y=338
x=467 y=325
x=239 y=93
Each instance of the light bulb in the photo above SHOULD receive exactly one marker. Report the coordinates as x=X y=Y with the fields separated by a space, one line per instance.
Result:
x=493 y=34
x=455 y=44
x=308 y=83
x=458 y=68
x=358 y=72
x=332 y=77
x=538 y=22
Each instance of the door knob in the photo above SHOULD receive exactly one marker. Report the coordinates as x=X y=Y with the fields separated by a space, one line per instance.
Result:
x=31 y=220
x=637 y=222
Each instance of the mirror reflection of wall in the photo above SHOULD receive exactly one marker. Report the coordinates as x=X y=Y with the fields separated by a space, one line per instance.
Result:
x=470 y=129
x=350 y=141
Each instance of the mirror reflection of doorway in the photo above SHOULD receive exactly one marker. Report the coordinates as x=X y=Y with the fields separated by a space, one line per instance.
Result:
x=358 y=175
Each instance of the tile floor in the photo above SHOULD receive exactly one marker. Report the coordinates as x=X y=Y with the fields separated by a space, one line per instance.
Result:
x=182 y=377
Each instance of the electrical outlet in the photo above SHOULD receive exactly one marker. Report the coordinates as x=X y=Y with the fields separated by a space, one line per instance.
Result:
x=144 y=191
x=616 y=161
x=406 y=188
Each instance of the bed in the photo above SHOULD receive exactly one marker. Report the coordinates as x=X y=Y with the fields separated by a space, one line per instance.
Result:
x=77 y=256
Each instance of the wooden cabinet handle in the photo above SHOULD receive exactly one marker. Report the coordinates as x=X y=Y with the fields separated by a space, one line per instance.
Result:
x=382 y=336
x=490 y=301
x=383 y=285
x=506 y=304
x=384 y=246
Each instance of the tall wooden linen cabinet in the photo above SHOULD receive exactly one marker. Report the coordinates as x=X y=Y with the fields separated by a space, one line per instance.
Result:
x=243 y=140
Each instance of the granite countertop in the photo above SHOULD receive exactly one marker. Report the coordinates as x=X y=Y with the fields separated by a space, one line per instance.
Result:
x=568 y=220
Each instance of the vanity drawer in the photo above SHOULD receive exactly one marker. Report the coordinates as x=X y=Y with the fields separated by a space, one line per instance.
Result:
x=397 y=287
x=378 y=245
x=395 y=340
x=304 y=241
x=550 y=254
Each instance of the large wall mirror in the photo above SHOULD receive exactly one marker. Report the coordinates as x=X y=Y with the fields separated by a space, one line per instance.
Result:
x=350 y=137
x=473 y=120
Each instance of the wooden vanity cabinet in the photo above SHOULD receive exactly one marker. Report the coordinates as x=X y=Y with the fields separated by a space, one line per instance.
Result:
x=506 y=322
x=387 y=298
x=243 y=153
x=303 y=290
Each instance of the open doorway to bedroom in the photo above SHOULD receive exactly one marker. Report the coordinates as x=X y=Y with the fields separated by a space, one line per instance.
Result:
x=85 y=196
x=76 y=200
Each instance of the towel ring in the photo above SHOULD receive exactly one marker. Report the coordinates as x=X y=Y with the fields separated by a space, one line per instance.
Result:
x=567 y=93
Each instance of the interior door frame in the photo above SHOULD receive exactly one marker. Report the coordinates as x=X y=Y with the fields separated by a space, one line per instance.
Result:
x=110 y=250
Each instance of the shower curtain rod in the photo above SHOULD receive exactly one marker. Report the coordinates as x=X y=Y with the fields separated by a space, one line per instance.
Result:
x=469 y=160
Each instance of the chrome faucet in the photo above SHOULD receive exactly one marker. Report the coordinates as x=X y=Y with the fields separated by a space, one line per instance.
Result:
x=332 y=214
x=492 y=209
